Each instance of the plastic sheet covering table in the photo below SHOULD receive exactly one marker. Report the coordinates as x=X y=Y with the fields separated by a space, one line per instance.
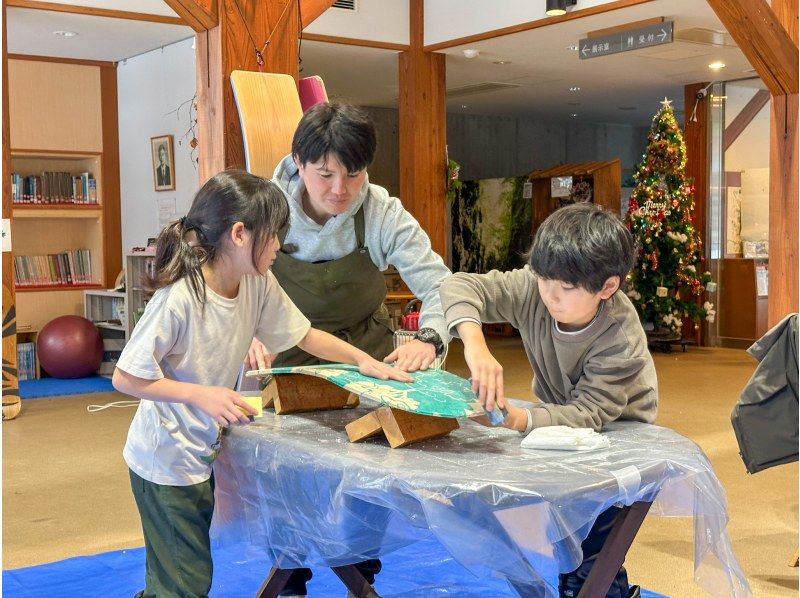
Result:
x=295 y=489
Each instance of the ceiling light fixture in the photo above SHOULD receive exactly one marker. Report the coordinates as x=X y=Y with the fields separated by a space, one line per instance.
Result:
x=573 y=48
x=502 y=62
x=470 y=53
x=65 y=33
x=574 y=88
x=556 y=8
x=574 y=115
x=716 y=65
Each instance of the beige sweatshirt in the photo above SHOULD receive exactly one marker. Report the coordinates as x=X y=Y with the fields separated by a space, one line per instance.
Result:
x=584 y=379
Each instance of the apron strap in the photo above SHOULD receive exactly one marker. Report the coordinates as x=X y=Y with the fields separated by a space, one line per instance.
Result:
x=360 y=227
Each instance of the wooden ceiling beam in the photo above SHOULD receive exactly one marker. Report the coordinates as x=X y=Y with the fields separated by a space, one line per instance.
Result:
x=200 y=15
x=95 y=12
x=763 y=40
x=311 y=9
x=744 y=118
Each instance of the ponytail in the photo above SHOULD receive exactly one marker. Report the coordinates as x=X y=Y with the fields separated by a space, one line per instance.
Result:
x=230 y=196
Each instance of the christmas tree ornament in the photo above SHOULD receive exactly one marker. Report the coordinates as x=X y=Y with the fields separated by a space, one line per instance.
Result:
x=661 y=291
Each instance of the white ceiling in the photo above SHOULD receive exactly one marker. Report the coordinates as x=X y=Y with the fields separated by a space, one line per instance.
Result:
x=541 y=62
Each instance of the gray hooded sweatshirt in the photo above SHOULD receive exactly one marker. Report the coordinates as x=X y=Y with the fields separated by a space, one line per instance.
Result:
x=393 y=237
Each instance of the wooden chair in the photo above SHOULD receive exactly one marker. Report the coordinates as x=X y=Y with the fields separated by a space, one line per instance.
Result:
x=269 y=110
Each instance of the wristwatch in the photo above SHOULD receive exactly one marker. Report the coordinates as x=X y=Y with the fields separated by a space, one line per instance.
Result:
x=429 y=335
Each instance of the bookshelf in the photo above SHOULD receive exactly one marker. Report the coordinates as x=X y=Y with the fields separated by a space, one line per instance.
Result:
x=136 y=266
x=107 y=309
x=63 y=119
x=52 y=229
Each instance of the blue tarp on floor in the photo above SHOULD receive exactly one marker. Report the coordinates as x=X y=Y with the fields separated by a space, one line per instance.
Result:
x=421 y=570
x=52 y=387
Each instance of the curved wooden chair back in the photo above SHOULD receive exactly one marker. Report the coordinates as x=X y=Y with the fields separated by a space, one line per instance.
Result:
x=269 y=110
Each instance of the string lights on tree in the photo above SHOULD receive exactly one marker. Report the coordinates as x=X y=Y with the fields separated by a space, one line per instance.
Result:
x=669 y=279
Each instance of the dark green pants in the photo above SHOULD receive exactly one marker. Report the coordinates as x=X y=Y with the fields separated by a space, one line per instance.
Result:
x=175 y=522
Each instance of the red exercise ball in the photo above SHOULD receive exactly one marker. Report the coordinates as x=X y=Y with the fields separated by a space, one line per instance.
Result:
x=70 y=347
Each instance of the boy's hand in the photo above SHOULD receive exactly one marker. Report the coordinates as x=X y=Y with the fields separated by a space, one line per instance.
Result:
x=258 y=357
x=412 y=356
x=372 y=367
x=487 y=375
x=226 y=406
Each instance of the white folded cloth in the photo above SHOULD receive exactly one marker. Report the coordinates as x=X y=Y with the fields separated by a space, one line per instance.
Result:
x=564 y=438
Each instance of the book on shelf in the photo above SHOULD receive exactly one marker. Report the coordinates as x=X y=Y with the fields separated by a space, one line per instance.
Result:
x=51 y=187
x=68 y=268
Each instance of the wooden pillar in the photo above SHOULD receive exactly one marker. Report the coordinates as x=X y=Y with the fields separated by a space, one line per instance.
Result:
x=10 y=380
x=695 y=135
x=783 y=205
x=237 y=29
x=422 y=116
x=767 y=36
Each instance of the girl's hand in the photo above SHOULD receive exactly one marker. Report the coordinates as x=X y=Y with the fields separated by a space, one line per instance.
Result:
x=258 y=356
x=412 y=356
x=487 y=376
x=226 y=406
x=372 y=367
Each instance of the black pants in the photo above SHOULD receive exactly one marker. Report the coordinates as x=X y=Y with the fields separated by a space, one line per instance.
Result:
x=570 y=584
x=297 y=581
x=175 y=522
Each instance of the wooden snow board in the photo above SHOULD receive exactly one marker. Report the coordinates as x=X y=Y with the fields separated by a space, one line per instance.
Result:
x=433 y=392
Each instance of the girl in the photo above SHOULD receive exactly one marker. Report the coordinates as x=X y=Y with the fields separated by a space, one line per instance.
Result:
x=213 y=294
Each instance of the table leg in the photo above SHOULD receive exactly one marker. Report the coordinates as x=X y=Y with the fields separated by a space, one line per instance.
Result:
x=274 y=583
x=355 y=582
x=612 y=555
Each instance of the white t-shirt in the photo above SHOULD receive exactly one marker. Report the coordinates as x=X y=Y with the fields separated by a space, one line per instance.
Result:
x=178 y=338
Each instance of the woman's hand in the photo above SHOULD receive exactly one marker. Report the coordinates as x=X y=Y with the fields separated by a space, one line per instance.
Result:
x=412 y=356
x=226 y=406
x=258 y=356
x=372 y=367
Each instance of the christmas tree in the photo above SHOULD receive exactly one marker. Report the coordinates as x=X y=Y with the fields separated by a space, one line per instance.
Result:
x=669 y=279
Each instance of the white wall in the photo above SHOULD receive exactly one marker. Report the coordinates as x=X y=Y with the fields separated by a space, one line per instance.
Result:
x=451 y=19
x=150 y=87
x=377 y=20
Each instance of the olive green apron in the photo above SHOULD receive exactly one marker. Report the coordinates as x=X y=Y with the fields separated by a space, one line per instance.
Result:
x=343 y=296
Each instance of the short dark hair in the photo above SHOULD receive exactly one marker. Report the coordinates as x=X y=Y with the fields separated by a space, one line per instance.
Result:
x=584 y=245
x=340 y=129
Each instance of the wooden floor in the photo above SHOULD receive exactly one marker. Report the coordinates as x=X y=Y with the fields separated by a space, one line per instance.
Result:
x=66 y=493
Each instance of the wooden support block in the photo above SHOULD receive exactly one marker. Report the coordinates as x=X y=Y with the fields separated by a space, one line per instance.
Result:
x=296 y=393
x=400 y=427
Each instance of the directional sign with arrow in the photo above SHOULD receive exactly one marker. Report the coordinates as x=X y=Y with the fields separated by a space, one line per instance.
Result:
x=625 y=40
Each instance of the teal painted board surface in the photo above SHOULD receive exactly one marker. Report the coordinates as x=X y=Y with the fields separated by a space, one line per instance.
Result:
x=433 y=392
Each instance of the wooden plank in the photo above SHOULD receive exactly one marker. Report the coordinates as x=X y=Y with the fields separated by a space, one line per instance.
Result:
x=744 y=118
x=786 y=12
x=96 y=12
x=350 y=41
x=200 y=15
x=695 y=136
x=625 y=27
x=100 y=63
x=297 y=393
x=11 y=399
x=401 y=428
x=311 y=9
x=763 y=40
x=112 y=216
x=529 y=25
x=783 y=209
x=422 y=119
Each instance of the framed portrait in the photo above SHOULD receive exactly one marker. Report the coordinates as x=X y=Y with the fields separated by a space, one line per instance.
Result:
x=163 y=162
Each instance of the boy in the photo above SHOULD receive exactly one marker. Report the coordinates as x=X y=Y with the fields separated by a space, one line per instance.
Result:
x=581 y=333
